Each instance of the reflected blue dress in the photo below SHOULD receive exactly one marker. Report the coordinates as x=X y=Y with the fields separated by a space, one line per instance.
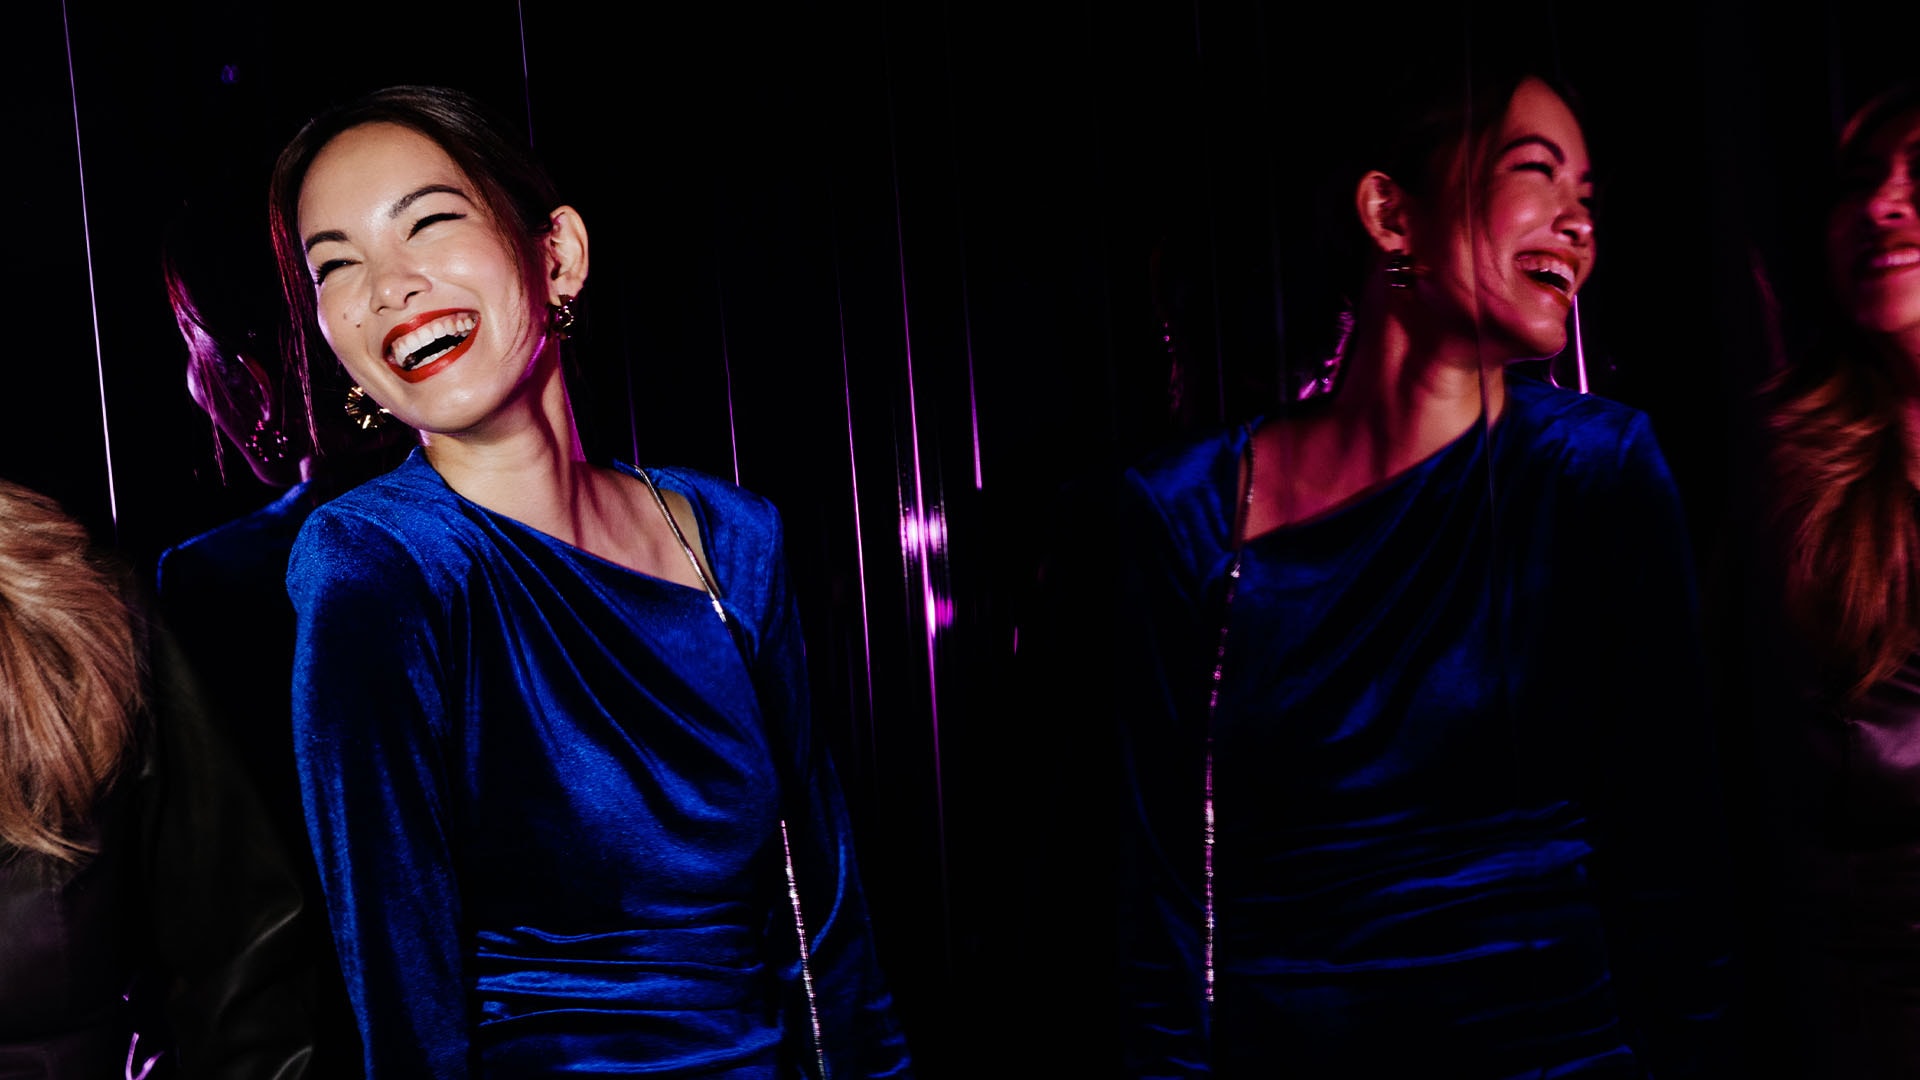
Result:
x=1465 y=788
x=545 y=794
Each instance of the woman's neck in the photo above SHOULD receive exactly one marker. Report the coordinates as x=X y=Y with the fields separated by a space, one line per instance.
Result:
x=1401 y=400
x=1407 y=393
x=525 y=461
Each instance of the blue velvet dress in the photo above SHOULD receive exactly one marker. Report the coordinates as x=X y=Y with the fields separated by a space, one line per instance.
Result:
x=545 y=793
x=1465 y=789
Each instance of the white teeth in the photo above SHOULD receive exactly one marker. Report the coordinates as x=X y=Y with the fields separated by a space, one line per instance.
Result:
x=1535 y=263
x=406 y=346
x=1887 y=260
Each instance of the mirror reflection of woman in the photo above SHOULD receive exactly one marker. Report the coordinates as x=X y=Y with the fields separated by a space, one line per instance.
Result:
x=551 y=714
x=1420 y=771
x=1845 y=469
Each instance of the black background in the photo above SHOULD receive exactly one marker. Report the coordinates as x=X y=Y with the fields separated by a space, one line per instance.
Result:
x=891 y=264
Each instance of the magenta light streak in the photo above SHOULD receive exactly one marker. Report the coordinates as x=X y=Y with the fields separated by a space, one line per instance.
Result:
x=960 y=233
x=1579 y=348
x=919 y=501
x=853 y=471
x=93 y=294
x=526 y=81
x=973 y=400
x=726 y=366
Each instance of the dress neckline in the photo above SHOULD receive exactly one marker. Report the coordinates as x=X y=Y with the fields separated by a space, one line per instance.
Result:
x=665 y=478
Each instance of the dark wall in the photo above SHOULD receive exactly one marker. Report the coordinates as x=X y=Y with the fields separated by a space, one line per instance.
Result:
x=893 y=265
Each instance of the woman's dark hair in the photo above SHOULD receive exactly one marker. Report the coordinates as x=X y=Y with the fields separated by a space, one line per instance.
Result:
x=219 y=278
x=1839 y=467
x=1413 y=129
x=512 y=187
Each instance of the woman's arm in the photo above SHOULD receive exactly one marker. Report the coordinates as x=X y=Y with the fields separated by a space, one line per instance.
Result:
x=1162 y=641
x=369 y=714
x=1660 y=848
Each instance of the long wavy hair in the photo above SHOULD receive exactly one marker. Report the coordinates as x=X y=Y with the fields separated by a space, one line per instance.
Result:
x=1842 y=498
x=72 y=676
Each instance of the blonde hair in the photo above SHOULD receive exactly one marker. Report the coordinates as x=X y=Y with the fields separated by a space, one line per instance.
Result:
x=72 y=673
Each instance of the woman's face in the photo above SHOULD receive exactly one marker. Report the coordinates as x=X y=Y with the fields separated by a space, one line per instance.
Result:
x=1513 y=245
x=420 y=295
x=1873 y=237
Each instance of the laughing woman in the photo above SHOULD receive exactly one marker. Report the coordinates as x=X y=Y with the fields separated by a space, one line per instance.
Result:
x=551 y=715
x=1419 y=773
x=1837 y=678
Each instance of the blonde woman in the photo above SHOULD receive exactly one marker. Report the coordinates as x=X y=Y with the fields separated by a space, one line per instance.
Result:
x=135 y=872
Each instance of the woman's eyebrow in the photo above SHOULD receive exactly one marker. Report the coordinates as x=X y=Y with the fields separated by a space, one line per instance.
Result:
x=326 y=236
x=400 y=205
x=1559 y=155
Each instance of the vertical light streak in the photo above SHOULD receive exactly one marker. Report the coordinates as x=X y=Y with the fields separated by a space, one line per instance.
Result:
x=526 y=81
x=93 y=293
x=726 y=364
x=853 y=472
x=960 y=232
x=920 y=549
x=919 y=503
x=1579 y=348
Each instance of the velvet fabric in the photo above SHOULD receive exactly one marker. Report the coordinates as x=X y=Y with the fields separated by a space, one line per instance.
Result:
x=545 y=793
x=1467 y=814
x=186 y=918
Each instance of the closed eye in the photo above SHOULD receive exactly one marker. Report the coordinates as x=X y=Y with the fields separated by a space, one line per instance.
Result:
x=1544 y=168
x=320 y=272
x=432 y=219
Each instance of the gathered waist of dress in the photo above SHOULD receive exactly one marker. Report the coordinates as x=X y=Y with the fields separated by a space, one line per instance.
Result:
x=715 y=965
x=1359 y=896
x=654 y=1000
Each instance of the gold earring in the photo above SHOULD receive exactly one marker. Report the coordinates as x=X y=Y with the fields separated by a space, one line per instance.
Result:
x=1400 y=272
x=364 y=412
x=560 y=317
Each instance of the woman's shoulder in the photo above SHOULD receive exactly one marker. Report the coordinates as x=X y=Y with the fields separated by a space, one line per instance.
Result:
x=1585 y=432
x=1188 y=474
x=724 y=506
x=405 y=522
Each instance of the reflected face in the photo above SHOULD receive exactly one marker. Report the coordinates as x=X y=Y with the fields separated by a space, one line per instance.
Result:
x=240 y=406
x=1507 y=256
x=1873 y=235
x=420 y=295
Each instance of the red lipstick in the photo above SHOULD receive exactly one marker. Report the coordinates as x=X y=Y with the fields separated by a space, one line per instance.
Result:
x=438 y=363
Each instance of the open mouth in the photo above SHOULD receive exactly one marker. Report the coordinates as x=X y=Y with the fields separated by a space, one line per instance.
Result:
x=427 y=343
x=1551 y=271
x=1876 y=261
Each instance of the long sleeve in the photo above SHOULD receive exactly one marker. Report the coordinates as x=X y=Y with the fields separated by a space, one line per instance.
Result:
x=369 y=707
x=858 y=1033
x=1660 y=849
x=222 y=905
x=1161 y=671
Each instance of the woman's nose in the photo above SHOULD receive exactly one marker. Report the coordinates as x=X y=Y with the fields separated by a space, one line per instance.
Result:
x=395 y=284
x=1892 y=200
